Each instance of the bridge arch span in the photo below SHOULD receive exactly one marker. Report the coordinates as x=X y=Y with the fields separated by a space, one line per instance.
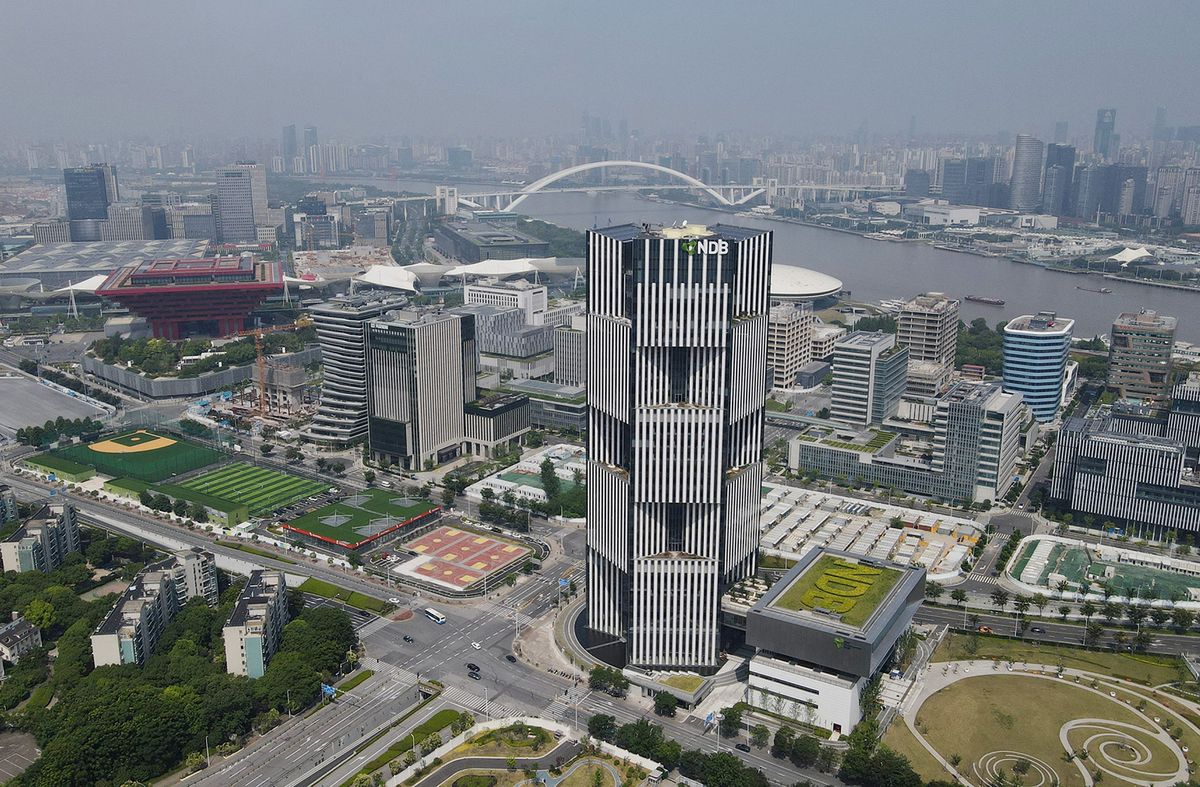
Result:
x=553 y=177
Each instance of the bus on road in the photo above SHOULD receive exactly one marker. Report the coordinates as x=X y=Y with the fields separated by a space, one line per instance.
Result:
x=435 y=616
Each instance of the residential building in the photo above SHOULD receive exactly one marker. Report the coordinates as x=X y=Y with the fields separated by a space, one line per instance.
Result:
x=421 y=370
x=1035 y=360
x=869 y=377
x=255 y=627
x=43 y=541
x=8 y=504
x=1190 y=212
x=1137 y=480
x=1026 y=183
x=241 y=202
x=340 y=323
x=1168 y=191
x=530 y=298
x=1139 y=356
x=195 y=575
x=789 y=341
x=676 y=396
x=18 y=638
x=132 y=628
x=570 y=353
x=928 y=326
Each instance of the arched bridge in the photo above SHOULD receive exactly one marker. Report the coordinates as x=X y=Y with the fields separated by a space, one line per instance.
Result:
x=737 y=195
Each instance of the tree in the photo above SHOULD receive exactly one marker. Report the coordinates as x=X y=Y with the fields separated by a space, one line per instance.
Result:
x=731 y=721
x=266 y=449
x=1092 y=633
x=933 y=591
x=551 y=483
x=448 y=496
x=1182 y=619
x=1159 y=616
x=293 y=454
x=805 y=750
x=1111 y=611
x=369 y=476
x=1087 y=609
x=781 y=746
x=602 y=727
x=198 y=512
x=1063 y=611
x=180 y=507
x=1040 y=601
x=959 y=596
x=665 y=703
x=1135 y=614
x=1000 y=599
x=40 y=613
x=760 y=736
x=1021 y=604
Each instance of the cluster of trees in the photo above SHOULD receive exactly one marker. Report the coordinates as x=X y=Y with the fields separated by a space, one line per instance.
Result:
x=1010 y=546
x=979 y=344
x=194 y=428
x=179 y=507
x=609 y=680
x=505 y=515
x=571 y=502
x=646 y=739
x=27 y=323
x=882 y=323
x=871 y=764
x=157 y=357
x=805 y=751
x=409 y=246
x=563 y=242
x=51 y=431
x=69 y=382
x=116 y=724
x=337 y=466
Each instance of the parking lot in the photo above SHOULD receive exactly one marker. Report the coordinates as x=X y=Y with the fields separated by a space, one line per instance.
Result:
x=17 y=752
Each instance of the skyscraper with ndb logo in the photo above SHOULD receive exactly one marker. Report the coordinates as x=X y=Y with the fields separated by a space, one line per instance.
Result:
x=677 y=382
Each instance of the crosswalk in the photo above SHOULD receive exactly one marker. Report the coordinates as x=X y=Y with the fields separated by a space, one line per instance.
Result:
x=476 y=702
x=984 y=578
x=563 y=705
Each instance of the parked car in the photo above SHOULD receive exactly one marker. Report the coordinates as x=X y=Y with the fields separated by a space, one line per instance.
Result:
x=472 y=667
x=474 y=676
x=743 y=747
x=985 y=629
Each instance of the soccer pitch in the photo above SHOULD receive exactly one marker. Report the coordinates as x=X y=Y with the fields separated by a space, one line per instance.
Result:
x=259 y=489
x=361 y=517
x=142 y=454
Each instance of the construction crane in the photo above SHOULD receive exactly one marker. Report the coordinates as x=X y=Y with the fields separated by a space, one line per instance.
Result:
x=260 y=357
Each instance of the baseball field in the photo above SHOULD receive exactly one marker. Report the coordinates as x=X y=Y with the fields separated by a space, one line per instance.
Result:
x=141 y=454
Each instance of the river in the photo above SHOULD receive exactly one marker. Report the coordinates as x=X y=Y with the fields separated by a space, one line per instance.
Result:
x=874 y=270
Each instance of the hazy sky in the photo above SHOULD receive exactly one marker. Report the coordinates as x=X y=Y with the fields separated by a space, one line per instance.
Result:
x=84 y=69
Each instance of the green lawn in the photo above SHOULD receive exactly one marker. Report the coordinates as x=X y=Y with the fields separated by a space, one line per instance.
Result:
x=435 y=723
x=131 y=485
x=853 y=590
x=353 y=598
x=157 y=465
x=355 y=679
x=981 y=714
x=899 y=738
x=255 y=551
x=260 y=489
x=354 y=530
x=1141 y=668
x=60 y=464
x=687 y=683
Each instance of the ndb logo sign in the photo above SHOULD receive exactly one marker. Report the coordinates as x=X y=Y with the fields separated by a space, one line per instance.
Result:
x=712 y=246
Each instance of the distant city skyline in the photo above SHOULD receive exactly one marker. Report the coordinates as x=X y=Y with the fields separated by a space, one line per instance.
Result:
x=533 y=69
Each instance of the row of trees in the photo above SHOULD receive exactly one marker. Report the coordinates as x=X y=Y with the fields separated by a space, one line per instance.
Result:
x=69 y=382
x=645 y=738
x=179 y=507
x=52 y=431
x=609 y=680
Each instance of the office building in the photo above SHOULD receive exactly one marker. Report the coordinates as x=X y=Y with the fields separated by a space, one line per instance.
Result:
x=493 y=425
x=1136 y=480
x=676 y=395
x=823 y=632
x=530 y=298
x=824 y=338
x=373 y=227
x=1060 y=132
x=421 y=370
x=42 y=541
x=869 y=377
x=287 y=143
x=928 y=326
x=789 y=341
x=1139 y=356
x=570 y=353
x=501 y=331
x=312 y=232
x=18 y=638
x=1104 y=138
x=971 y=454
x=255 y=627
x=340 y=323
x=310 y=137
x=553 y=406
x=89 y=191
x=1035 y=360
x=1060 y=171
x=476 y=242
x=459 y=158
x=916 y=183
x=241 y=202
x=1025 y=187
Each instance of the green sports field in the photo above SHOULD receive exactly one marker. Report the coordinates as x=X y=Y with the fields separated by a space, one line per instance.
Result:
x=127 y=455
x=259 y=489
x=851 y=589
x=359 y=517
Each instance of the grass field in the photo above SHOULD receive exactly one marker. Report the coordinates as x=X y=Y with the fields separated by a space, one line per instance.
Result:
x=357 y=527
x=254 y=551
x=168 y=457
x=354 y=680
x=357 y=600
x=1137 y=667
x=584 y=774
x=900 y=739
x=853 y=590
x=59 y=464
x=435 y=723
x=979 y=715
x=260 y=489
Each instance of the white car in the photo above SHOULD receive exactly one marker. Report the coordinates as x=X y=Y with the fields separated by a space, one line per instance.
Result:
x=476 y=645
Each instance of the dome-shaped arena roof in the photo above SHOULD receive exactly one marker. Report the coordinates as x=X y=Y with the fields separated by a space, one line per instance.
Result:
x=793 y=282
